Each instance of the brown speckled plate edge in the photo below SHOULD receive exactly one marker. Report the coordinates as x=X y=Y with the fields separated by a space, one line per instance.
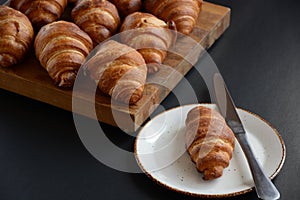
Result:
x=283 y=156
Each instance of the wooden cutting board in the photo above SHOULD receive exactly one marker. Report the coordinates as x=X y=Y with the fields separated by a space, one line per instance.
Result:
x=31 y=80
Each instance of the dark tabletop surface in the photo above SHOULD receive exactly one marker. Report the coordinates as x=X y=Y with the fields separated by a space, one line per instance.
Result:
x=42 y=157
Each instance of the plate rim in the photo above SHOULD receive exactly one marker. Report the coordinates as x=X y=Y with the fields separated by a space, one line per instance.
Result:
x=283 y=157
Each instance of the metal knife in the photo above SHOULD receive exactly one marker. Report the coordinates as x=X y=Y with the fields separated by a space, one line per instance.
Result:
x=265 y=189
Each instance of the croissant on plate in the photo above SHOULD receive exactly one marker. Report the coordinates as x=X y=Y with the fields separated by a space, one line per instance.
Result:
x=151 y=36
x=40 y=12
x=126 y=7
x=61 y=47
x=98 y=18
x=184 y=13
x=209 y=141
x=119 y=71
x=16 y=36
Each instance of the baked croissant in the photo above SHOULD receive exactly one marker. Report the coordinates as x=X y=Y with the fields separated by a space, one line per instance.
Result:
x=183 y=12
x=61 y=47
x=119 y=71
x=126 y=7
x=210 y=142
x=98 y=18
x=151 y=36
x=40 y=12
x=16 y=36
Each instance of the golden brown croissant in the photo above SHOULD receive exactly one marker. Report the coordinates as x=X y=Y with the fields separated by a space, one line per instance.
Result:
x=209 y=140
x=126 y=7
x=61 y=47
x=16 y=36
x=40 y=12
x=183 y=12
x=119 y=71
x=98 y=18
x=151 y=36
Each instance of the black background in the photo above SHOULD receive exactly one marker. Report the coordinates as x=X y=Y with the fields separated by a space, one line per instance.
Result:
x=42 y=157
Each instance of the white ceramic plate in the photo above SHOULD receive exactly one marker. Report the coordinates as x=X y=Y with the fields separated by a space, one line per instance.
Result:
x=161 y=153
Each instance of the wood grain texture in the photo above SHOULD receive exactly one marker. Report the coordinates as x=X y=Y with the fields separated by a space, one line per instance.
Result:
x=31 y=80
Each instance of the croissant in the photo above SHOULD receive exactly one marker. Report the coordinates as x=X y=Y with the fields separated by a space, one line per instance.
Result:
x=98 y=18
x=40 y=12
x=151 y=36
x=183 y=12
x=119 y=70
x=126 y=7
x=16 y=36
x=61 y=47
x=210 y=142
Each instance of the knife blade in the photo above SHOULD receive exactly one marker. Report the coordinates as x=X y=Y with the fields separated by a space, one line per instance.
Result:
x=264 y=187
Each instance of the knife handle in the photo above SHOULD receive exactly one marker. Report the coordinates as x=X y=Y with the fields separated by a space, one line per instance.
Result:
x=264 y=187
